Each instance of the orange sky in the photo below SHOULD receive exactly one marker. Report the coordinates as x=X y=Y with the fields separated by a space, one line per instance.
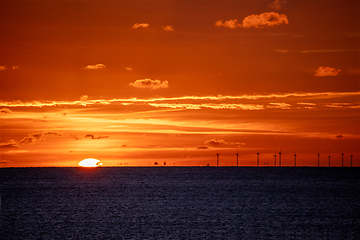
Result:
x=136 y=82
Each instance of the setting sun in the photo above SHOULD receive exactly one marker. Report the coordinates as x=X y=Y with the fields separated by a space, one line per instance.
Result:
x=90 y=162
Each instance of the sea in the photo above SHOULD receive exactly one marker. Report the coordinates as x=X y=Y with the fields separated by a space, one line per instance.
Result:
x=180 y=203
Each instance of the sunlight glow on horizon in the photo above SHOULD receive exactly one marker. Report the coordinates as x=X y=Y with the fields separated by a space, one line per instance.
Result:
x=90 y=162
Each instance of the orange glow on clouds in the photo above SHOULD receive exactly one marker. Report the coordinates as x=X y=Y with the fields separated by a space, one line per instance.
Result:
x=155 y=81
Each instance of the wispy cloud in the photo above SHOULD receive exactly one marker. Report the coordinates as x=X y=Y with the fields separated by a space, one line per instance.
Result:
x=10 y=144
x=128 y=69
x=284 y=106
x=326 y=71
x=140 y=25
x=262 y=20
x=330 y=50
x=163 y=100
x=168 y=28
x=149 y=84
x=278 y=4
x=27 y=140
x=222 y=143
x=95 y=67
x=2 y=68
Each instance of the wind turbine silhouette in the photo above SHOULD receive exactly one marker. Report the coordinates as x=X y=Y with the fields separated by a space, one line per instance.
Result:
x=318 y=159
x=342 y=159
x=275 y=159
x=257 y=158
x=217 y=158
x=280 y=158
x=329 y=159
x=237 y=158
x=351 y=156
x=295 y=159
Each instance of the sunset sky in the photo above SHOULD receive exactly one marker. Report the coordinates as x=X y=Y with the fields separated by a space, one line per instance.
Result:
x=134 y=82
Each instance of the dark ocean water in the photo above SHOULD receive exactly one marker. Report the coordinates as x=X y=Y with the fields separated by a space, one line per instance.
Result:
x=180 y=203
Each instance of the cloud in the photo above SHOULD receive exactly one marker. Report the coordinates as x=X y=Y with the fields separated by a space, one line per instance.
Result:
x=258 y=21
x=148 y=83
x=330 y=50
x=340 y=136
x=128 y=69
x=5 y=162
x=202 y=147
x=140 y=25
x=168 y=28
x=278 y=4
x=326 y=71
x=84 y=98
x=10 y=144
x=52 y=133
x=95 y=67
x=284 y=106
x=27 y=140
x=222 y=143
x=93 y=137
x=264 y=19
x=229 y=24
x=5 y=111
x=36 y=135
x=2 y=68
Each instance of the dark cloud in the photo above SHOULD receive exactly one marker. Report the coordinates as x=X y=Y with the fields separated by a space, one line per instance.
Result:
x=202 y=147
x=52 y=133
x=5 y=111
x=340 y=136
x=223 y=143
x=5 y=162
x=27 y=140
x=93 y=137
x=10 y=144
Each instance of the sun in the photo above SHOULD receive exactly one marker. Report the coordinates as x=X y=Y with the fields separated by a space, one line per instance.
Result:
x=90 y=162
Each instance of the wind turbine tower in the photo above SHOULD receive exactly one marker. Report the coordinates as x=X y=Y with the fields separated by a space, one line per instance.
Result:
x=329 y=159
x=295 y=159
x=237 y=159
x=280 y=159
x=275 y=160
x=257 y=158
x=217 y=159
x=318 y=159
x=351 y=159
x=342 y=159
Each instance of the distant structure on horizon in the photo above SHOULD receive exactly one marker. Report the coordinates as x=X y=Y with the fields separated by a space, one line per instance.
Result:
x=237 y=159
x=257 y=158
x=351 y=156
x=280 y=159
x=295 y=159
x=275 y=160
x=329 y=159
x=318 y=159
x=217 y=159
x=342 y=159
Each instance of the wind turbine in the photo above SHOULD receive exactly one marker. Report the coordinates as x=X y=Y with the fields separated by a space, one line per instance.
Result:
x=351 y=159
x=329 y=159
x=275 y=160
x=318 y=159
x=280 y=158
x=295 y=159
x=237 y=158
x=257 y=158
x=342 y=159
x=217 y=158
